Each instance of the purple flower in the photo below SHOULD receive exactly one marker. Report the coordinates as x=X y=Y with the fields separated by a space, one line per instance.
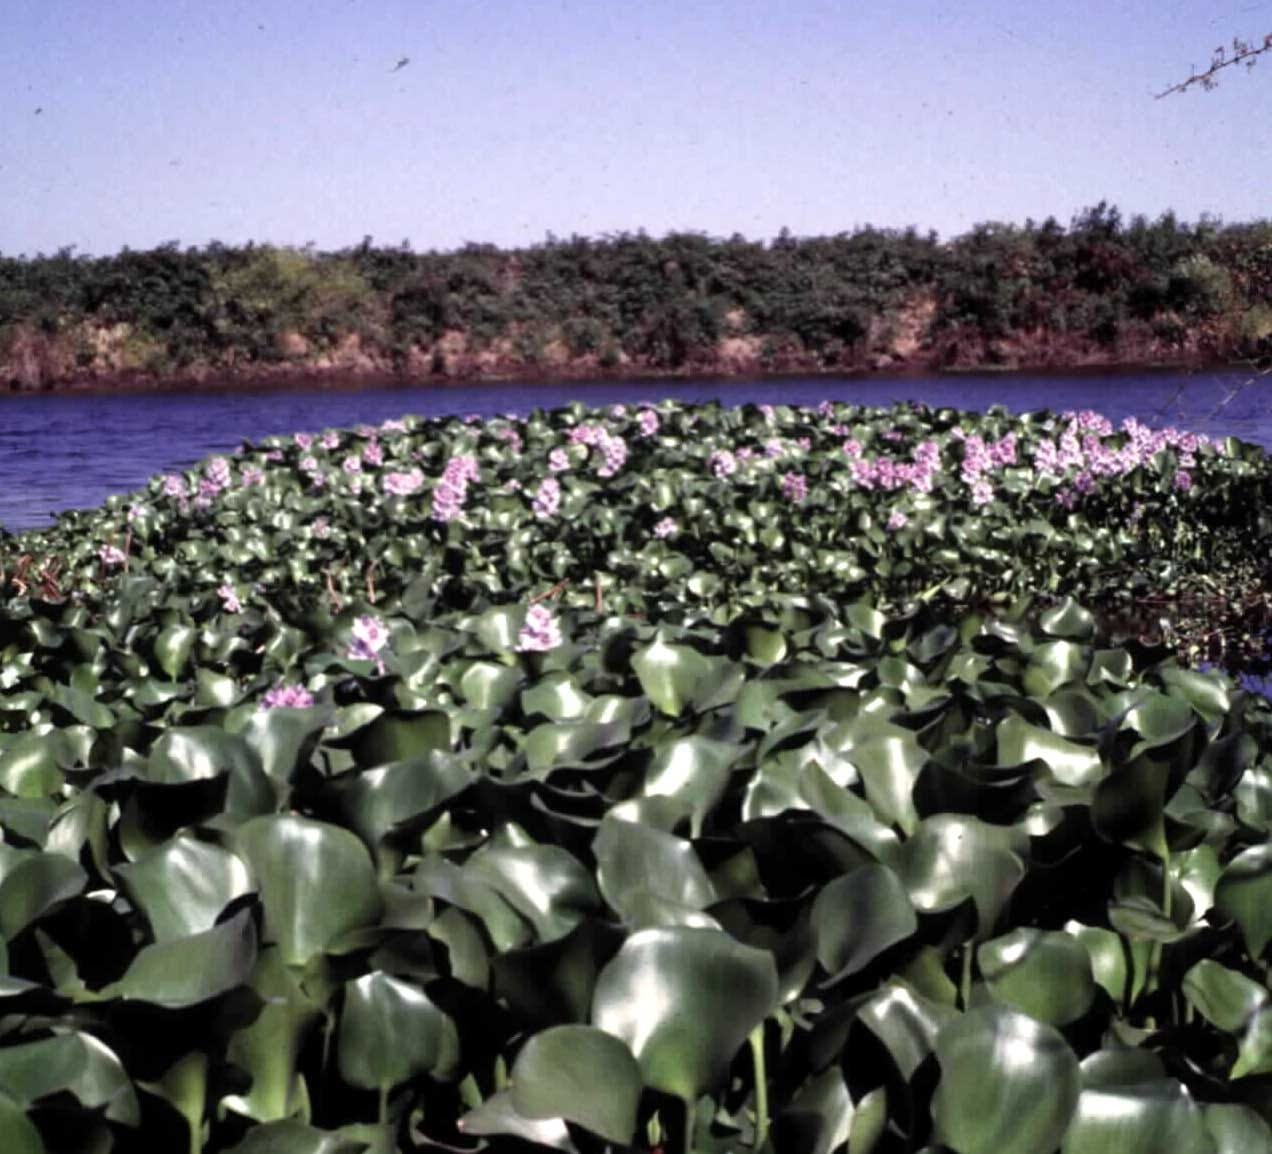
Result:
x=541 y=631
x=403 y=484
x=649 y=422
x=982 y=491
x=330 y=441
x=370 y=636
x=548 y=499
x=252 y=476
x=723 y=463
x=614 y=450
x=322 y=530
x=665 y=528
x=174 y=485
x=393 y=426
x=304 y=441
x=373 y=454
x=309 y=465
x=558 y=460
x=352 y=463
x=287 y=697
x=1183 y=480
x=111 y=556
x=229 y=599
x=897 y=520
x=795 y=487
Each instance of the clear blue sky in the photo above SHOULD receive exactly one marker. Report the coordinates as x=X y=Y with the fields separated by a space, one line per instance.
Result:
x=283 y=122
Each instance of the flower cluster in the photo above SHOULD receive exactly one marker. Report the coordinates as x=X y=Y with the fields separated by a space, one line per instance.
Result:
x=666 y=527
x=723 y=463
x=540 y=632
x=547 y=500
x=111 y=556
x=648 y=421
x=403 y=484
x=795 y=488
x=230 y=602
x=370 y=636
x=558 y=460
x=452 y=490
x=287 y=697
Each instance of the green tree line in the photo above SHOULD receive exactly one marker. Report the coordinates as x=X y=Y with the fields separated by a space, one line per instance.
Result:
x=1001 y=293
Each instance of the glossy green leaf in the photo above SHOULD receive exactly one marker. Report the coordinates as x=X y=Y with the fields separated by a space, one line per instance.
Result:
x=316 y=882
x=859 y=916
x=1044 y=974
x=581 y=1074
x=1009 y=1084
x=684 y=1001
x=390 y=1031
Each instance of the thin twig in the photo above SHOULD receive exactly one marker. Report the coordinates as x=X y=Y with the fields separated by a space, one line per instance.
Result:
x=551 y=594
x=1243 y=52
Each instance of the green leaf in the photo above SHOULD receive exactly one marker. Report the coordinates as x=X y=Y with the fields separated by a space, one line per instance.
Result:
x=390 y=1031
x=684 y=1000
x=288 y=1137
x=1008 y=1085
x=1044 y=974
x=1244 y=893
x=1125 y=1108
x=1237 y=1129
x=637 y=865
x=670 y=675
x=316 y=882
x=185 y=971
x=34 y=886
x=859 y=916
x=1222 y=996
x=76 y=1063
x=183 y=885
x=952 y=858
x=583 y=1075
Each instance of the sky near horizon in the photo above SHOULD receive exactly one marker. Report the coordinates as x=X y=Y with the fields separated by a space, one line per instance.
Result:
x=138 y=122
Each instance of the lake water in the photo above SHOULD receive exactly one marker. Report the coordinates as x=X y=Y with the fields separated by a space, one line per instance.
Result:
x=72 y=450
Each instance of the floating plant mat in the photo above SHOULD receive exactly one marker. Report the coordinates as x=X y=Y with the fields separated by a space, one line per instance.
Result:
x=640 y=780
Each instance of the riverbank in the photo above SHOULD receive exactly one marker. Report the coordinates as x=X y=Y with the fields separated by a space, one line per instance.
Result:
x=376 y=373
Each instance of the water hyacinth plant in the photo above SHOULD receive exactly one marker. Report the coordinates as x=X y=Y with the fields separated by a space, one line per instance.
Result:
x=861 y=793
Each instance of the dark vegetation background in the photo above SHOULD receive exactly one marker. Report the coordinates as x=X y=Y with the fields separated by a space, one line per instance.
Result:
x=1101 y=291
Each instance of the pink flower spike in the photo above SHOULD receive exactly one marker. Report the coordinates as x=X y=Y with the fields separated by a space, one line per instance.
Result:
x=795 y=488
x=541 y=631
x=287 y=697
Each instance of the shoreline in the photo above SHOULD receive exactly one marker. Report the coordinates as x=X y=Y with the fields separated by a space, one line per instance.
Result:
x=353 y=378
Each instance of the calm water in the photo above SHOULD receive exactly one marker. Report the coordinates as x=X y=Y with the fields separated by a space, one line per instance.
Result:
x=68 y=451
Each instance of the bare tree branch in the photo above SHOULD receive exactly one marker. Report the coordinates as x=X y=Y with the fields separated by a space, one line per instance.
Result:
x=1244 y=52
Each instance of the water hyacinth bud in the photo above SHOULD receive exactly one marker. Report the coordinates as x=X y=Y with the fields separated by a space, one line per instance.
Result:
x=541 y=631
x=287 y=697
x=547 y=500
